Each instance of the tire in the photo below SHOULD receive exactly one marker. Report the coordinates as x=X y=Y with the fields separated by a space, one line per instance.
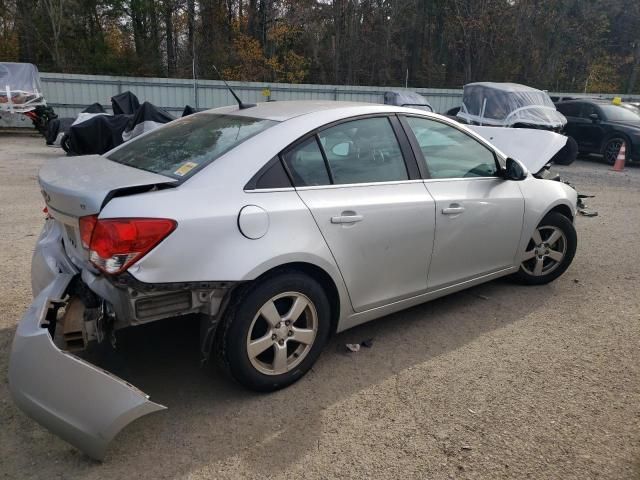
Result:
x=611 y=148
x=65 y=144
x=550 y=251
x=567 y=154
x=259 y=312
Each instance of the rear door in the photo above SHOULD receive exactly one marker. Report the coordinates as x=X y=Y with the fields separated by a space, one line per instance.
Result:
x=361 y=183
x=479 y=216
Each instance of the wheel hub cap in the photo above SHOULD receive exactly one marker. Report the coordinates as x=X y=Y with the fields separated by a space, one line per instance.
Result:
x=545 y=251
x=282 y=333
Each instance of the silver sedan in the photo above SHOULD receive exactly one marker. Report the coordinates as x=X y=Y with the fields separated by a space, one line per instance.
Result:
x=279 y=225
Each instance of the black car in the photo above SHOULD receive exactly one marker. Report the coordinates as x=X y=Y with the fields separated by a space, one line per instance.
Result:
x=600 y=126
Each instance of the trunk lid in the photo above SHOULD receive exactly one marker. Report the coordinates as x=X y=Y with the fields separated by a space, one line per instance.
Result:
x=74 y=187
x=79 y=186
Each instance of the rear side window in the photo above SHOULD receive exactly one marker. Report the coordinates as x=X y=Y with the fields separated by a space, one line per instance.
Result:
x=306 y=164
x=186 y=145
x=569 y=109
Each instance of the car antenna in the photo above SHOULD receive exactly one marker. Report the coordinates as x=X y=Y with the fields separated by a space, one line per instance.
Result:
x=241 y=105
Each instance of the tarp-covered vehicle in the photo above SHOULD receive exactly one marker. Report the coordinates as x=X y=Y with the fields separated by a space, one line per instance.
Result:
x=95 y=132
x=21 y=94
x=509 y=105
x=20 y=87
x=406 y=98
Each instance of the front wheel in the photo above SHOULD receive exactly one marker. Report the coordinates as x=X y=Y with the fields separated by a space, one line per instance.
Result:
x=274 y=331
x=567 y=154
x=549 y=252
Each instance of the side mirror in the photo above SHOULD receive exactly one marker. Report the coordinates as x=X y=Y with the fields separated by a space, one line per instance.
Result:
x=514 y=171
x=594 y=117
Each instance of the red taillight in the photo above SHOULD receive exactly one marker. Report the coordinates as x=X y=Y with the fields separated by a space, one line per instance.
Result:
x=116 y=243
x=87 y=224
x=47 y=215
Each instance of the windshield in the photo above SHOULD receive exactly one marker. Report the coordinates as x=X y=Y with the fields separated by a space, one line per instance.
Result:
x=619 y=114
x=185 y=146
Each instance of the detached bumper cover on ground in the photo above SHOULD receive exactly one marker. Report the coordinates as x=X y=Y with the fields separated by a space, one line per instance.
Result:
x=81 y=403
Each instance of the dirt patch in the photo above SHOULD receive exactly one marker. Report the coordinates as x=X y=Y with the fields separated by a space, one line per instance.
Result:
x=500 y=381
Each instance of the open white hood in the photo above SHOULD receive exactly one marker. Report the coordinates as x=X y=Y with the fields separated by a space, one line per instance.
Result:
x=533 y=148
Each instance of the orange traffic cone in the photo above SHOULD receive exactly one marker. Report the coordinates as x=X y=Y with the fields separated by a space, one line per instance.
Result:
x=622 y=154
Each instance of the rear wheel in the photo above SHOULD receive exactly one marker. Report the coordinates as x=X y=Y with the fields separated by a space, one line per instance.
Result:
x=66 y=144
x=549 y=252
x=274 y=331
x=612 y=148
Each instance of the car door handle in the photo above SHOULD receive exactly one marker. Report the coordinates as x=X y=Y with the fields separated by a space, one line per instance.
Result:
x=351 y=218
x=452 y=210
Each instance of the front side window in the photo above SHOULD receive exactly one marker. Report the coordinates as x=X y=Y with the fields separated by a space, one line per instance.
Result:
x=588 y=109
x=450 y=153
x=186 y=145
x=363 y=151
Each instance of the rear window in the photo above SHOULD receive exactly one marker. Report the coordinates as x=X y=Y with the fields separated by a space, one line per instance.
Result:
x=188 y=144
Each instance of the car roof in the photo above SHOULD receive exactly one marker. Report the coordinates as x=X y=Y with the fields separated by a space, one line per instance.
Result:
x=285 y=110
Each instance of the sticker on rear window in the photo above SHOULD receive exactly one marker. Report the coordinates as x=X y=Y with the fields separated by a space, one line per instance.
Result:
x=186 y=168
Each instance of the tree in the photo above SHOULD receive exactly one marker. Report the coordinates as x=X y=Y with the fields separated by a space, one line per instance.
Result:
x=560 y=45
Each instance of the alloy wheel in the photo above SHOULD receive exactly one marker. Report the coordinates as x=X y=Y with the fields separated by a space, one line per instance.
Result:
x=282 y=333
x=611 y=150
x=545 y=252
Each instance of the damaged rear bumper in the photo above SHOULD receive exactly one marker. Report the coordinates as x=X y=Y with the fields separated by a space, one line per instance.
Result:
x=81 y=403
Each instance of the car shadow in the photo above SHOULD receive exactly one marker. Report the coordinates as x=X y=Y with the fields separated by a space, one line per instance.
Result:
x=211 y=419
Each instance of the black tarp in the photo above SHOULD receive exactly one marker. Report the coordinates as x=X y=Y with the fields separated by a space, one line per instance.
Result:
x=96 y=135
x=148 y=117
x=56 y=126
x=63 y=125
x=188 y=110
x=94 y=108
x=125 y=103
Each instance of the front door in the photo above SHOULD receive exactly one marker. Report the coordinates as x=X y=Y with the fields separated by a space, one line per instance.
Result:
x=376 y=220
x=479 y=216
x=590 y=131
x=478 y=227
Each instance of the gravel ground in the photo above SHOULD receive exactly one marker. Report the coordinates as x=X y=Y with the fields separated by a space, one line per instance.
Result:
x=500 y=381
